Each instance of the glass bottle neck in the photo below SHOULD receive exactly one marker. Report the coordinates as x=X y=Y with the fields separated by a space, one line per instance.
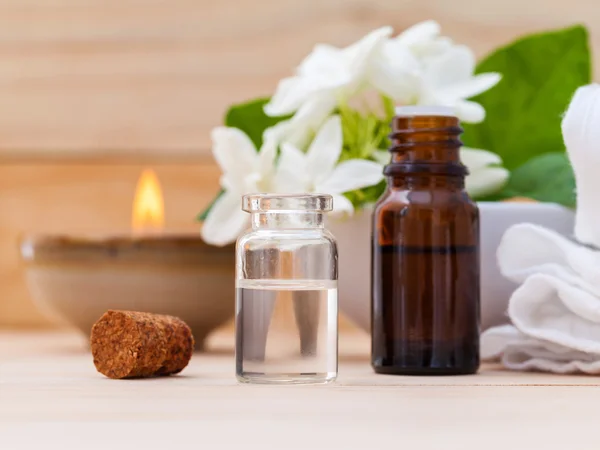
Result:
x=287 y=220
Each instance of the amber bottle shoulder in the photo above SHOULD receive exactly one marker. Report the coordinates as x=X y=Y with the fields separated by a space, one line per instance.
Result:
x=395 y=199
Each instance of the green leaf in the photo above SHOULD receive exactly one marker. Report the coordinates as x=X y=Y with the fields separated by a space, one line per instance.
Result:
x=546 y=178
x=540 y=74
x=251 y=119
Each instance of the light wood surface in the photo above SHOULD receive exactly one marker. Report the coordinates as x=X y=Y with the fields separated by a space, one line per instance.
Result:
x=153 y=76
x=51 y=393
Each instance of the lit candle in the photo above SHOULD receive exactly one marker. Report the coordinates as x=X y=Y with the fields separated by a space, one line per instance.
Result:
x=148 y=213
x=77 y=279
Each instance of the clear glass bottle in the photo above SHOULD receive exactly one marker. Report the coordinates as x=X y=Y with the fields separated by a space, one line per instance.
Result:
x=425 y=280
x=286 y=292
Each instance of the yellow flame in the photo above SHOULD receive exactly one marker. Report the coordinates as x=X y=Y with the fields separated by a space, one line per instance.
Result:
x=148 y=205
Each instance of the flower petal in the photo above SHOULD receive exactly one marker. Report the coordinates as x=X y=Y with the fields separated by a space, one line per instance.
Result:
x=266 y=157
x=324 y=59
x=469 y=112
x=288 y=183
x=325 y=149
x=486 y=181
x=383 y=157
x=359 y=53
x=291 y=170
x=432 y=49
x=471 y=87
x=230 y=183
x=301 y=128
x=225 y=221
x=419 y=33
x=233 y=150
x=350 y=175
x=310 y=118
x=424 y=40
x=316 y=109
x=292 y=159
x=395 y=72
x=291 y=92
x=278 y=132
x=342 y=205
x=451 y=67
x=476 y=159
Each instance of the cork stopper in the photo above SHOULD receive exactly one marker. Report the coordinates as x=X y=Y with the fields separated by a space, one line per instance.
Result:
x=129 y=344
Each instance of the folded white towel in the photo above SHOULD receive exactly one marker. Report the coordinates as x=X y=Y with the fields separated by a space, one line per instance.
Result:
x=518 y=352
x=555 y=312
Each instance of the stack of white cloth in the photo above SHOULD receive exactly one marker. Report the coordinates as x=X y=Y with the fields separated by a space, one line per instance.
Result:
x=555 y=311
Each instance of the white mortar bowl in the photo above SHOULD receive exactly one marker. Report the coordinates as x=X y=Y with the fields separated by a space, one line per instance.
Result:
x=354 y=246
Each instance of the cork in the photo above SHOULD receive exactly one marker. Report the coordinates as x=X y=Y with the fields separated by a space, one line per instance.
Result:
x=130 y=344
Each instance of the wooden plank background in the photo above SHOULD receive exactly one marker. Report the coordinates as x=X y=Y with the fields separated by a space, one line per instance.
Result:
x=155 y=75
x=92 y=91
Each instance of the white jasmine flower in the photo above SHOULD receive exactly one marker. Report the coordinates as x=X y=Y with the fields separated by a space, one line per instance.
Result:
x=244 y=170
x=328 y=71
x=397 y=68
x=325 y=78
x=316 y=171
x=420 y=67
x=485 y=176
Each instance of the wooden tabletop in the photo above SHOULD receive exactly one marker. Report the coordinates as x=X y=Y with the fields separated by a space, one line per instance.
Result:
x=50 y=392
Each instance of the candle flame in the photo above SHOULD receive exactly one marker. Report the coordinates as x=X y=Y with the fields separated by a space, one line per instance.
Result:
x=148 y=205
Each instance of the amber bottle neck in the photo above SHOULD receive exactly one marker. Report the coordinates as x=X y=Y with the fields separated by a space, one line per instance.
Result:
x=426 y=181
x=425 y=145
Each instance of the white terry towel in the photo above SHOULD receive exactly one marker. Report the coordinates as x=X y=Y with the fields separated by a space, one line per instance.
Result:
x=555 y=312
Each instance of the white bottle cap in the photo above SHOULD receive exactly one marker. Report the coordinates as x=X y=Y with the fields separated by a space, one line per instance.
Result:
x=424 y=110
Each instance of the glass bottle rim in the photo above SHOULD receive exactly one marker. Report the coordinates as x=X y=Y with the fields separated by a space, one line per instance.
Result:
x=254 y=203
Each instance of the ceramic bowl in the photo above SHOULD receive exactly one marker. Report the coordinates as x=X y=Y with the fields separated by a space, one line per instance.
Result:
x=75 y=280
x=353 y=237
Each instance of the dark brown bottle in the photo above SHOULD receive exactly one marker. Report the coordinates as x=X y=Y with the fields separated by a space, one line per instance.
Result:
x=425 y=255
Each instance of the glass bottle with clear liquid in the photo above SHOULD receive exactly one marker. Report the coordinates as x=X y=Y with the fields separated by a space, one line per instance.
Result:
x=286 y=292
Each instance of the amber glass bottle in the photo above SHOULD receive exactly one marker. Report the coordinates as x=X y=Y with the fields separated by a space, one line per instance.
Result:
x=425 y=253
